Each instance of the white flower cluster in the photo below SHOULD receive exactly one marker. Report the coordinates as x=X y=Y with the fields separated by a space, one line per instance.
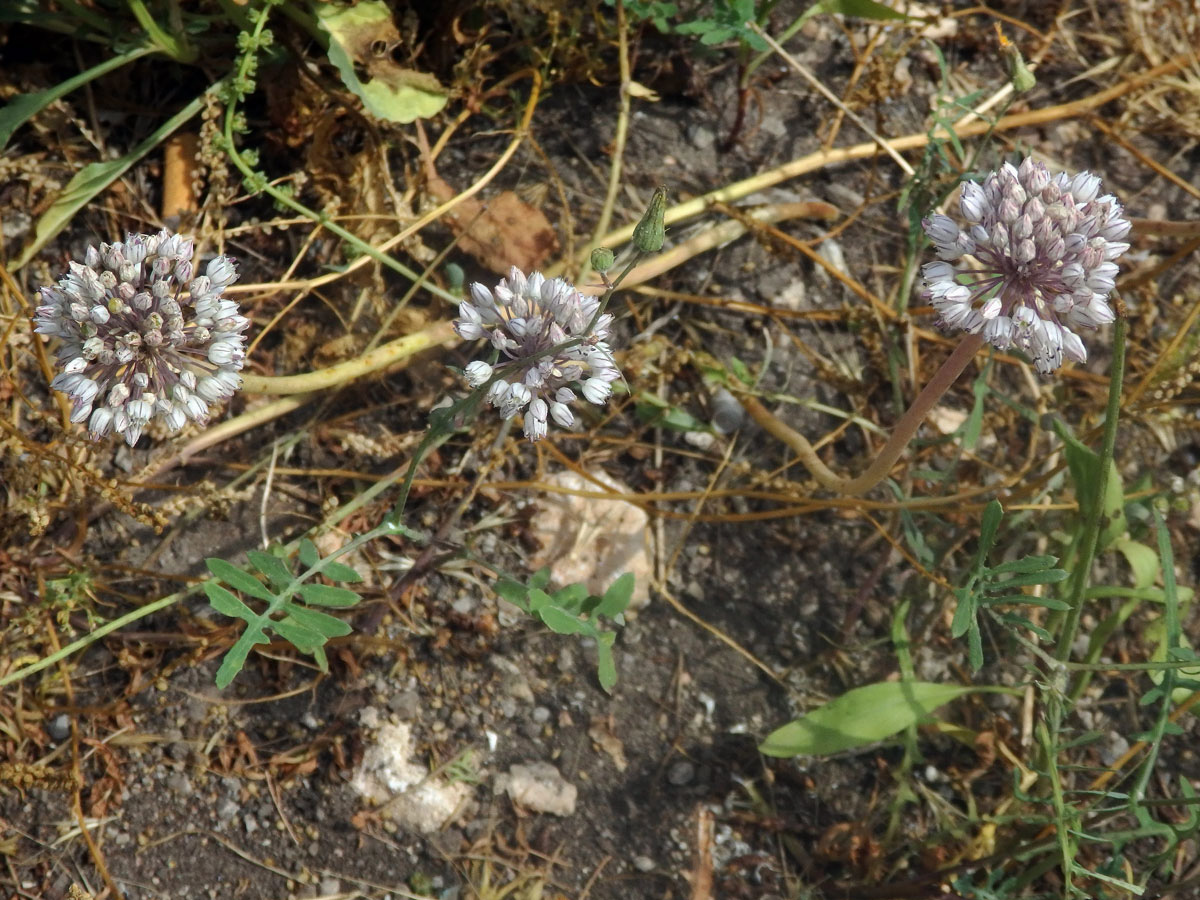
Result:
x=528 y=320
x=1046 y=249
x=142 y=337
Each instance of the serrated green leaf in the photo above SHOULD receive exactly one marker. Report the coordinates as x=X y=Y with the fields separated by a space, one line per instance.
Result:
x=606 y=667
x=616 y=599
x=324 y=595
x=314 y=620
x=308 y=554
x=226 y=603
x=860 y=717
x=560 y=621
x=390 y=92
x=271 y=566
x=235 y=577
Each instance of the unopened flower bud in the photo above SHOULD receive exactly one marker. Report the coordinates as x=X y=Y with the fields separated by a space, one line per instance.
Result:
x=602 y=259
x=650 y=232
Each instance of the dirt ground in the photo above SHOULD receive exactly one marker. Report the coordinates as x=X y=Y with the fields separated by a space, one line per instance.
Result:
x=398 y=772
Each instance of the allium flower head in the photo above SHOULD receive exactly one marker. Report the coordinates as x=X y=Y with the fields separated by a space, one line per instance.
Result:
x=526 y=319
x=1046 y=250
x=142 y=335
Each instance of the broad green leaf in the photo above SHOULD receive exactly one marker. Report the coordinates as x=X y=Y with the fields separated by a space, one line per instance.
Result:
x=616 y=598
x=324 y=595
x=302 y=638
x=571 y=597
x=307 y=553
x=560 y=621
x=988 y=526
x=226 y=603
x=538 y=599
x=272 y=566
x=516 y=594
x=336 y=571
x=361 y=39
x=235 y=577
x=94 y=178
x=322 y=623
x=1142 y=560
x=23 y=107
x=860 y=717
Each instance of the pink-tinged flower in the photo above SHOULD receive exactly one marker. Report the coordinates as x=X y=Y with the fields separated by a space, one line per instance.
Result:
x=1045 y=250
x=528 y=320
x=141 y=337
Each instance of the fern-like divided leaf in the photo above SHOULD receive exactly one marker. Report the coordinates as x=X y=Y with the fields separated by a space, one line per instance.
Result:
x=289 y=600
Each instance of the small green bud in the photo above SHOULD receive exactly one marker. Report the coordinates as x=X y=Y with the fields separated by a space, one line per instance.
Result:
x=602 y=259
x=1018 y=73
x=649 y=234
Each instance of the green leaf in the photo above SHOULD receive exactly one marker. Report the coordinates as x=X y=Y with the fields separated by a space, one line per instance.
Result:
x=988 y=526
x=235 y=659
x=91 y=180
x=1045 y=576
x=616 y=598
x=324 y=595
x=226 y=603
x=964 y=613
x=23 y=107
x=606 y=667
x=1142 y=560
x=865 y=9
x=560 y=621
x=314 y=620
x=336 y=571
x=571 y=597
x=860 y=717
x=235 y=577
x=1084 y=465
x=538 y=599
x=390 y=92
x=1021 y=622
x=272 y=566
x=308 y=554
x=516 y=594
x=1028 y=564
x=302 y=638
x=1027 y=600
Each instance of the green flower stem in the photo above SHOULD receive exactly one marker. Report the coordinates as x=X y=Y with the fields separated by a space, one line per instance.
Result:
x=371 y=361
x=903 y=432
x=1095 y=508
x=92 y=636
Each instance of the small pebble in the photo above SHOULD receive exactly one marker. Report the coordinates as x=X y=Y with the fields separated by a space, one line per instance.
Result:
x=59 y=728
x=643 y=863
x=541 y=715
